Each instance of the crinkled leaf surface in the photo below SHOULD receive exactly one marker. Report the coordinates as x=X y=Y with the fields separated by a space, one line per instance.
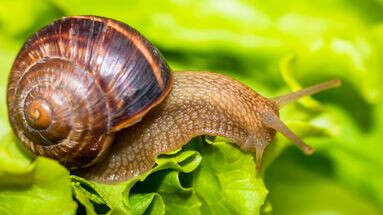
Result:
x=213 y=177
x=227 y=183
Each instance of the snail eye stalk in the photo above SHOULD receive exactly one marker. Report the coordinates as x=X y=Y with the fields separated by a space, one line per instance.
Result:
x=271 y=120
x=286 y=99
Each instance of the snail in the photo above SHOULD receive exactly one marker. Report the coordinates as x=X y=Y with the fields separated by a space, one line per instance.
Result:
x=95 y=95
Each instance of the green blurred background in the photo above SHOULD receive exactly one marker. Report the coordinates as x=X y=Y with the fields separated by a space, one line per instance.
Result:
x=253 y=41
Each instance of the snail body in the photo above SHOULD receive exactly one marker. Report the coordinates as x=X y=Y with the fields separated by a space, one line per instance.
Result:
x=94 y=94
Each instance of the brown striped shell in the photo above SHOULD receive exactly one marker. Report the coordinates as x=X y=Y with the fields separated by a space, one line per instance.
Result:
x=77 y=81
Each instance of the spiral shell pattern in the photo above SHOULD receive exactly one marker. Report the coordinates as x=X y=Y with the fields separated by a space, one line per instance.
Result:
x=78 y=81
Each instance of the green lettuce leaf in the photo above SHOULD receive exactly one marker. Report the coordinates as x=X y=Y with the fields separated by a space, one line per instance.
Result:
x=40 y=187
x=213 y=177
x=227 y=182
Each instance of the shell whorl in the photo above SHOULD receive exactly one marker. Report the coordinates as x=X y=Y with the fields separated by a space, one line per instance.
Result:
x=77 y=81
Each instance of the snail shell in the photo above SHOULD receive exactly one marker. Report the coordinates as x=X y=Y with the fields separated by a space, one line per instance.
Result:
x=78 y=81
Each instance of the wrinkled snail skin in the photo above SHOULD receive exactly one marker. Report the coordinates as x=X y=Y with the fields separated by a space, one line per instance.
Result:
x=199 y=103
x=94 y=94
